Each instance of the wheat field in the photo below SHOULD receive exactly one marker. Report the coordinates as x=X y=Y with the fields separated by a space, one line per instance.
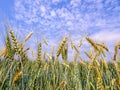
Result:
x=46 y=72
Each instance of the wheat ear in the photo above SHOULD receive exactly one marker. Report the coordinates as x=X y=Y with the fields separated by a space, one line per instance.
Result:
x=61 y=46
x=17 y=77
x=28 y=36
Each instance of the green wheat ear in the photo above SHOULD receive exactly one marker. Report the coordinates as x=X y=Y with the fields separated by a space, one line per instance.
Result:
x=10 y=51
x=14 y=41
x=38 y=59
x=64 y=52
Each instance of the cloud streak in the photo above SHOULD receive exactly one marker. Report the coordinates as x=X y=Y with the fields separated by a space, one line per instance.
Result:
x=107 y=36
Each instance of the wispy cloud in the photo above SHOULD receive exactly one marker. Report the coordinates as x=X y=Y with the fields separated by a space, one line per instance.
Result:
x=56 y=18
x=107 y=35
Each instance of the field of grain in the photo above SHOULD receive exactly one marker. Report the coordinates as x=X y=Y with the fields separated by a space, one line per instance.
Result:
x=48 y=73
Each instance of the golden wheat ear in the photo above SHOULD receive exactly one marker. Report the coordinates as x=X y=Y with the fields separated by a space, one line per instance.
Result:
x=3 y=52
x=75 y=57
x=102 y=45
x=17 y=77
x=76 y=49
x=28 y=36
x=89 y=55
x=71 y=42
x=45 y=41
x=32 y=52
x=52 y=50
x=92 y=43
x=61 y=85
x=80 y=43
x=116 y=50
x=61 y=46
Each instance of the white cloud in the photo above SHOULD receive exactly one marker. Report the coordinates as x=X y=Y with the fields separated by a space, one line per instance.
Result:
x=42 y=8
x=52 y=13
x=55 y=1
x=75 y=3
x=107 y=35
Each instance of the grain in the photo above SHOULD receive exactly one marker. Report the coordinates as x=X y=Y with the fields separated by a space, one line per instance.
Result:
x=61 y=46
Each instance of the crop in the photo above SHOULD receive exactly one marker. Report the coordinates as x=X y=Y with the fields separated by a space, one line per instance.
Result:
x=46 y=72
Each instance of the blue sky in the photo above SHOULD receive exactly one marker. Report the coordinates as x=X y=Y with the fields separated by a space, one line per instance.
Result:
x=53 y=19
